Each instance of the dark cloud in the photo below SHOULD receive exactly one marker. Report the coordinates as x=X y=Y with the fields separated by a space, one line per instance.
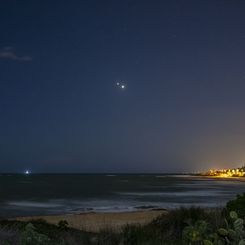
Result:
x=10 y=54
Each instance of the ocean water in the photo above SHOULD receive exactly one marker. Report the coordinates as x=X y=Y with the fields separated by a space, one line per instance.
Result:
x=44 y=194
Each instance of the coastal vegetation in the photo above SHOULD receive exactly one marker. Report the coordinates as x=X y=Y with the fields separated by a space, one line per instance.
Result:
x=190 y=226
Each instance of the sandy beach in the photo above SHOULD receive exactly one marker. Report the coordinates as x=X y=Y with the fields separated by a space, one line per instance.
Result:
x=98 y=221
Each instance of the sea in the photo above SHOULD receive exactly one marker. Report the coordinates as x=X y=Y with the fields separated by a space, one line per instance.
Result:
x=50 y=194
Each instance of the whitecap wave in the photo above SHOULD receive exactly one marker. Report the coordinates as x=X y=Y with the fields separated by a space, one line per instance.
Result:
x=34 y=204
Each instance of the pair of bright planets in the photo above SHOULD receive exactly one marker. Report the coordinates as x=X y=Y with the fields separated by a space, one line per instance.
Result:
x=121 y=85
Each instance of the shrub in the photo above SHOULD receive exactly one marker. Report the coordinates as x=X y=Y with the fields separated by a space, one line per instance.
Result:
x=196 y=233
x=133 y=234
x=200 y=233
x=31 y=237
x=9 y=236
x=237 y=205
x=107 y=237
x=173 y=223
x=63 y=224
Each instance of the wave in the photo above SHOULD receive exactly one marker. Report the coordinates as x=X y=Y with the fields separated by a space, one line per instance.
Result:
x=34 y=204
x=175 y=175
x=167 y=194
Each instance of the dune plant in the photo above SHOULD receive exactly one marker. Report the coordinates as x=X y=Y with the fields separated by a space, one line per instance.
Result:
x=237 y=205
x=200 y=234
x=31 y=237
x=63 y=224
x=8 y=236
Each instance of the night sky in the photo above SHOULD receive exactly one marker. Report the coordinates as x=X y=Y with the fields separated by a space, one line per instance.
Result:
x=182 y=62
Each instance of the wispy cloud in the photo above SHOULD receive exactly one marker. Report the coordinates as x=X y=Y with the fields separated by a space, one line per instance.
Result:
x=9 y=53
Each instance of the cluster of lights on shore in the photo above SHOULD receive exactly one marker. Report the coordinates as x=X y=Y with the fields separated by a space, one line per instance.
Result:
x=226 y=173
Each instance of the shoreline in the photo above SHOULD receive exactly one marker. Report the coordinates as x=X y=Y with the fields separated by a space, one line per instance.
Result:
x=95 y=222
x=222 y=177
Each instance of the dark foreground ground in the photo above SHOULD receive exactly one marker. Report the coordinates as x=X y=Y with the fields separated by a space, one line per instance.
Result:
x=165 y=229
x=192 y=226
